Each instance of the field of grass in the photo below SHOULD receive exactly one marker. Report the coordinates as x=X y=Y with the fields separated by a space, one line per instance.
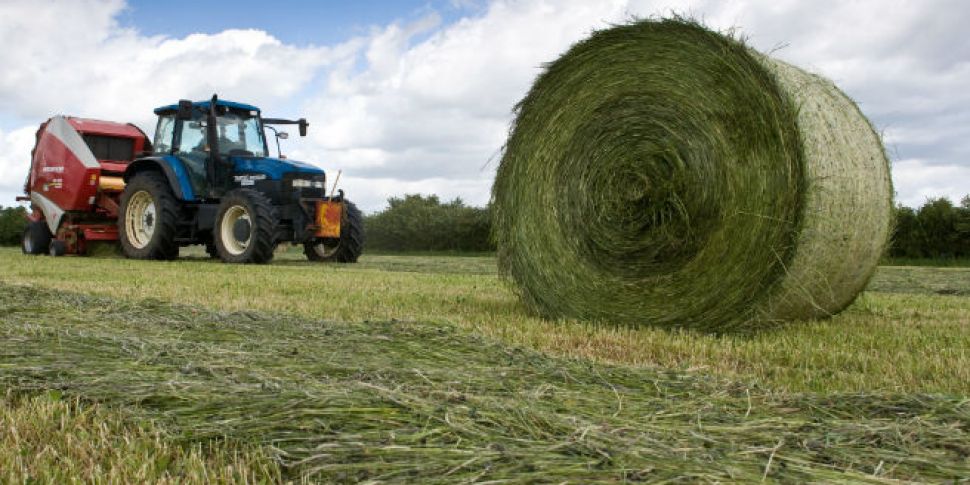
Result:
x=929 y=262
x=48 y=439
x=427 y=368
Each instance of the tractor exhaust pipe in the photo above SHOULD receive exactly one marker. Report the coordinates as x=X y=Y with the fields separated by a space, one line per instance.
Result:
x=212 y=133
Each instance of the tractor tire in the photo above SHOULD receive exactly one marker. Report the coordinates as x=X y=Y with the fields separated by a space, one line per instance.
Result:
x=211 y=250
x=147 y=218
x=348 y=247
x=57 y=247
x=37 y=238
x=245 y=228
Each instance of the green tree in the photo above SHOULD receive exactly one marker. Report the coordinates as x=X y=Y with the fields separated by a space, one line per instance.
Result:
x=424 y=223
x=13 y=220
x=963 y=226
x=908 y=236
x=938 y=223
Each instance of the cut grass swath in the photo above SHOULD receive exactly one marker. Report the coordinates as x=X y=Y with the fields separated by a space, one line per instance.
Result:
x=661 y=173
x=424 y=403
x=47 y=439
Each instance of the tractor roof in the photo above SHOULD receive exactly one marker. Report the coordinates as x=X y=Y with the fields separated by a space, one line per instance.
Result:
x=205 y=105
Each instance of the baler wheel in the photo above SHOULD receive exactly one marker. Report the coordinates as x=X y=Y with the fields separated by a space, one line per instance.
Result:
x=37 y=238
x=146 y=223
x=245 y=230
x=346 y=249
x=57 y=247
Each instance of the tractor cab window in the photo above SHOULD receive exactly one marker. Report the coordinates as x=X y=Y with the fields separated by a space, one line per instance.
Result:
x=192 y=139
x=163 y=133
x=239 y=135
x=193 y=150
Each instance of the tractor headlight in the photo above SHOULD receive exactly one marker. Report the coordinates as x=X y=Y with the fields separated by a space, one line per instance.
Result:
x=307 y=183
x=313 y=182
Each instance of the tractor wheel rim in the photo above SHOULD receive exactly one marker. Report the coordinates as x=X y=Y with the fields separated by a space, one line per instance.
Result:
x=28 y=243
x=232 y=245
x=140 y=219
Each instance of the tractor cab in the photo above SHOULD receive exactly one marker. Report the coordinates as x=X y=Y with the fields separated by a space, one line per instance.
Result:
x=221 y=143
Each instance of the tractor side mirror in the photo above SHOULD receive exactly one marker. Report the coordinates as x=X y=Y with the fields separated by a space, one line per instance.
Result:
x=303 y=125
x=185 y=110
x=282 y=135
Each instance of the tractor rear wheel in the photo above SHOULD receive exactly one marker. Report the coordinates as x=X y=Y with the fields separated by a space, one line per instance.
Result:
x=348 y=247
x=37 y=237
x=245 y=229
x=146 y=222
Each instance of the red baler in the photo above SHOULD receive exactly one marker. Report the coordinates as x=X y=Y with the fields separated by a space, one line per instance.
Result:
x=76 y=180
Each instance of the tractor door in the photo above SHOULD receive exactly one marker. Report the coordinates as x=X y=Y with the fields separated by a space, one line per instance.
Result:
x=192 y=149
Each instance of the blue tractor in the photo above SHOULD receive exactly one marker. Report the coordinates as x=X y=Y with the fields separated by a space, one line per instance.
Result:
x=210 y=180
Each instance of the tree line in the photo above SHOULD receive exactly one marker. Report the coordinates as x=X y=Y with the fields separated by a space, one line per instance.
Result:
x=939 y=229
x=425 y=223
x=13 y=220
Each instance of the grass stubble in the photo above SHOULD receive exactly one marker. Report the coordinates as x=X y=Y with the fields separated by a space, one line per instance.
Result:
x=415 y=401
x=47 y=438
x=910 y=334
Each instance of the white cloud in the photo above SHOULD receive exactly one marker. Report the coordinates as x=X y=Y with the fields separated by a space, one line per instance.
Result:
x=917 y=181
x=424 y=107
x=378 y=189
x=439 y=109
x=72 y=57
x=15 y=149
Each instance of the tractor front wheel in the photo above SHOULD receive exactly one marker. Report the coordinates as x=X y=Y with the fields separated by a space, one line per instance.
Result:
x=348 y=247
x=37 y=238
x=245 y=230
x=146 y=223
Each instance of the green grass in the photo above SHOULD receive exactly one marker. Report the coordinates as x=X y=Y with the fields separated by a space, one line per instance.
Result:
x=48 y=439
x=423 y=402
x=427 y=368
x=933 y=262
x=911 y=334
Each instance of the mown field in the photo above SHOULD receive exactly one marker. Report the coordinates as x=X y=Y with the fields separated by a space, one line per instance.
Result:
x=427 y=369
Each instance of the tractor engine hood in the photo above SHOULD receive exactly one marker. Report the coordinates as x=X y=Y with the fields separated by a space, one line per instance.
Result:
x=273 y=168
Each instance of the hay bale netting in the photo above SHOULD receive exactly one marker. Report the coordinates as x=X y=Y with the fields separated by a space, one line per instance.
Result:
x=662 y=173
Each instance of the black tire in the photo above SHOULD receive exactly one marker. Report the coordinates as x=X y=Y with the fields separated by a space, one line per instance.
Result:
x=151 y=236
x=346 y=249
x=250 y=221
x=57 y=247
x=211 y=250
x=37 y=238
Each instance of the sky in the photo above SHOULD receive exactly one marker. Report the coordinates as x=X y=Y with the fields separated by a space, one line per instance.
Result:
x=410 y=96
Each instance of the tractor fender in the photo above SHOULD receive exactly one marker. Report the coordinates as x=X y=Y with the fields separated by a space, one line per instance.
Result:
x=173 y=169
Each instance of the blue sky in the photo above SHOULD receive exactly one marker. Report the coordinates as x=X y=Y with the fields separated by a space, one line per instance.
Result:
x=297 y=22
x=416 y=96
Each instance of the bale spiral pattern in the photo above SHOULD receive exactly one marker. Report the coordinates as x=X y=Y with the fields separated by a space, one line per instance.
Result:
x=661 y=173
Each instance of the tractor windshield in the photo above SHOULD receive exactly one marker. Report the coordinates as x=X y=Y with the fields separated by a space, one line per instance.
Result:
x=240 y=135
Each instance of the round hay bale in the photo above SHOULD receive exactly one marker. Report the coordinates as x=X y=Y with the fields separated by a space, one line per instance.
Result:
x=661 y=173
